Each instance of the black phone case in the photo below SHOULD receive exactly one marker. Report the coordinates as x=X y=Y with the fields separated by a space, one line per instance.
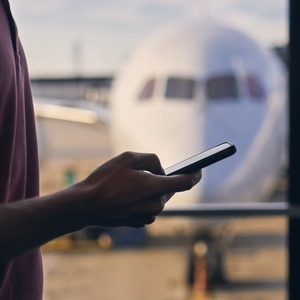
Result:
x=200 y=164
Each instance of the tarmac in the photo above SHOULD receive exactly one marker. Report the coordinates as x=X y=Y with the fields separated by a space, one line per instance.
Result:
x=158 y=270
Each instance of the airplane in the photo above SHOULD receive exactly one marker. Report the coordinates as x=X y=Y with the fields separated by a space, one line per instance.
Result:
x=191 y=86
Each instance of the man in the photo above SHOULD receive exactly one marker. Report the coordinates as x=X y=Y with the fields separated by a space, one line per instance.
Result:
x=118 y=193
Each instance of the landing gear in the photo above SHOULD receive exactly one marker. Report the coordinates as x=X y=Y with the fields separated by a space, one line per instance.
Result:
x=205 y=262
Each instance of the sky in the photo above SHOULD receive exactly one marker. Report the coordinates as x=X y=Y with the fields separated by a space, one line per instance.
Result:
x=91 y=37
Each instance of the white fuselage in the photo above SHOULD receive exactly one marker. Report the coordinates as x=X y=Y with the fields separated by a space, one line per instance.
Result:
x=190 y=87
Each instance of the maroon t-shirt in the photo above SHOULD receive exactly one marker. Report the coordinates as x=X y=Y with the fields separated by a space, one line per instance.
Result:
x=22 y=278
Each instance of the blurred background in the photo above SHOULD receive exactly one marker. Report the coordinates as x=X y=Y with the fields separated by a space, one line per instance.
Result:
x=186 y=74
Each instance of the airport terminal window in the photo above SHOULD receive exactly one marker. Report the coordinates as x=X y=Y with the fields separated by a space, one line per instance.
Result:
x=255 y=88
x=148 y=90
x=179 y=88
x=221 y=87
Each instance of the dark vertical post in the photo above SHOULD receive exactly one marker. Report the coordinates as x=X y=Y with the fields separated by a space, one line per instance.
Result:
x=294 y=144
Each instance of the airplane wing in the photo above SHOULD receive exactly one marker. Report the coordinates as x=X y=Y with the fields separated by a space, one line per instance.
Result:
x=69 y=129
x=71 y=110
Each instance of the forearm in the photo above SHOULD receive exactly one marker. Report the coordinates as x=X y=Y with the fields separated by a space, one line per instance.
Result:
x=118 y=193
x=30 y=223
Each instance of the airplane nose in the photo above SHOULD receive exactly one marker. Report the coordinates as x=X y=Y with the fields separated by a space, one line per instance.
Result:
x=238 y=124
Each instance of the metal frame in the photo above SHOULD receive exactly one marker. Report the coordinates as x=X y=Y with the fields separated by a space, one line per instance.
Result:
x=291 y=210
x=294 y=188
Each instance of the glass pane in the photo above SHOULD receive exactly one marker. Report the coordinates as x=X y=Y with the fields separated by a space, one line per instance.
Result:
x=221 y=87
x=78 y=57
x=148 y=90
x=180 y=88
x=255 y=88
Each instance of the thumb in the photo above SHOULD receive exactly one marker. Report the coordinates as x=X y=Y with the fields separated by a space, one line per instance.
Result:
x=181 y=182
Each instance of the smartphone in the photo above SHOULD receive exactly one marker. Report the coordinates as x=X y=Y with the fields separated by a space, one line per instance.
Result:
x=202 y=160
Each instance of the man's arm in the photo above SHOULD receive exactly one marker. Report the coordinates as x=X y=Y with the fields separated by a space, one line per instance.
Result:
x=118 y=193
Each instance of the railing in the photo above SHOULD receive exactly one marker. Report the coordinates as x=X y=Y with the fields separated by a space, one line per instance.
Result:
x=234 y=210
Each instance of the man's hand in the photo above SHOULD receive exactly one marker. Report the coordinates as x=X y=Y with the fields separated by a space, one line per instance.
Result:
x=130 y=190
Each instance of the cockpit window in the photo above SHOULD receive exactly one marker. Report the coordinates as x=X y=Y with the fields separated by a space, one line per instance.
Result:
x=255 y=88
x=180 y=88
x=147 y=90
x=221 y=87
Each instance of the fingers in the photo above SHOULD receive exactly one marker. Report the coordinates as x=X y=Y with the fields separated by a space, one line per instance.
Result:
x=151 y=163
x=168 y=185
x=143 y=222
x=136 y=222
x=144 y=162
x=147 y=212
x=122 y=194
